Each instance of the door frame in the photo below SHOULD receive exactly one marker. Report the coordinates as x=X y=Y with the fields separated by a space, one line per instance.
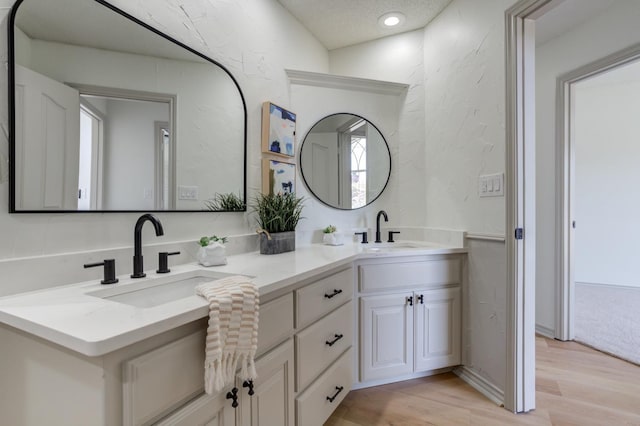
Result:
x=565 y=183
x=519 y=394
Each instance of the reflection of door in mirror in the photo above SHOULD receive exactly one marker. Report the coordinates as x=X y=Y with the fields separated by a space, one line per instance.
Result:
x=44 y=181
x=91 y=153
x=127 y=126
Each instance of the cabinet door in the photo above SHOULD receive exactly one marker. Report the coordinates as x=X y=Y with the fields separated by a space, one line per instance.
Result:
x=387 y=336
x=206 y=410
x=437 y=338
x=272 y=401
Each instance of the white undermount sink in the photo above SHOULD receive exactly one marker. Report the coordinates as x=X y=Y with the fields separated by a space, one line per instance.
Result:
x=149 y=292
x=397 y=246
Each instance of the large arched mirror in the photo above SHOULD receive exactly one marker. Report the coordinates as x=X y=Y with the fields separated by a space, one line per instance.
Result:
x=110 y=114
x=345 y=161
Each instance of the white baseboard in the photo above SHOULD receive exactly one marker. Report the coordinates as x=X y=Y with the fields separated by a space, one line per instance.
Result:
x=481 y=384
x=371 y=383
x=545 y=331
x=603 y=285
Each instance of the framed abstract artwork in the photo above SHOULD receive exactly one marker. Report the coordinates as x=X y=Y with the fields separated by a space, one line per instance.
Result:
x=278 y=130
x=278 y=177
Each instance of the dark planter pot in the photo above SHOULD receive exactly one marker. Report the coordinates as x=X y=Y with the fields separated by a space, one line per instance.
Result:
x=280 y=242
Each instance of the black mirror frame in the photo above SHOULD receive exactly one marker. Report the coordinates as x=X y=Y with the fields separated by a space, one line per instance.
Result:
x=306 y=184
x=12 y=122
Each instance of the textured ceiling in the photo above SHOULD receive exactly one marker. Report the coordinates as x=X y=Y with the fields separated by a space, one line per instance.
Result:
x=340 y=23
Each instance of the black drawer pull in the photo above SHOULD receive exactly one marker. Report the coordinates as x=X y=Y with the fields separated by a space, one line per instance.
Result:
x=335 y=293
x=335 y=395
x=421 y=299
x=337 y=337
x=410 y=300
x=233 y=396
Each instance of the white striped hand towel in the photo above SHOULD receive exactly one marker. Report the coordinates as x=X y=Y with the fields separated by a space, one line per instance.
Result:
x=232 y=335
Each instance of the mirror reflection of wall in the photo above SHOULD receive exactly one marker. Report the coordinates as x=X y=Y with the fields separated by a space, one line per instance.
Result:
x=345 y=161
x=119 y=86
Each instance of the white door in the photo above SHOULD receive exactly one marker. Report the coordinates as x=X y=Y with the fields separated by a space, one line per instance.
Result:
x=272 y=401
x=437 y=338
x=47 y=134
x=387 y=335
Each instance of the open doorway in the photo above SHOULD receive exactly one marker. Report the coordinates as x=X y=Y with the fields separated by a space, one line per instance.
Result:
x=598 y=128
x=533 y=155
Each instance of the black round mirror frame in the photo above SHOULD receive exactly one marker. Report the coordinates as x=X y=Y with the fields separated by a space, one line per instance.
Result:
x=307 y=184
x=12 y=114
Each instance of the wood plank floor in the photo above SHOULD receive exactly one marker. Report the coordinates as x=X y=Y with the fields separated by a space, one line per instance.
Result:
x=575 y=385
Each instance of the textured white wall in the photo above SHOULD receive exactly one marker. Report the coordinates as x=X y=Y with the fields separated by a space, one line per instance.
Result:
x=255 y=39
x=607 y=175
x=465 y=137
x=596 y=38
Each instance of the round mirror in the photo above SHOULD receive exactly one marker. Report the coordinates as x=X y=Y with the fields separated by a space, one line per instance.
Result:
x=345 y=161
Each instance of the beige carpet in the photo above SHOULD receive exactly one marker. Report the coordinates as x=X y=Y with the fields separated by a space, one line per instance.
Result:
x=607 y=318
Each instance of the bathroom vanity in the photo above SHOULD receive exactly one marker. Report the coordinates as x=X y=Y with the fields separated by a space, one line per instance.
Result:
x=330 y=318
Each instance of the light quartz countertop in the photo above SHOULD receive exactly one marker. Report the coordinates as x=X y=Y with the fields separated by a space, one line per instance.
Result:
x=94 y=326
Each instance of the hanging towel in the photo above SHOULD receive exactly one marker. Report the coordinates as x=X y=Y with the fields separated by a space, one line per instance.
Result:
x=232 y=334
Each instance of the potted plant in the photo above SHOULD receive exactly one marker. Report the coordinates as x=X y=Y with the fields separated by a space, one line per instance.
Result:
x=212 y=251
x=278 y=216
x=331 y=236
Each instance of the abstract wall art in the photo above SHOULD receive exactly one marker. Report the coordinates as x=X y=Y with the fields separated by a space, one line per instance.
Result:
x=278 y=130
x=278 y=177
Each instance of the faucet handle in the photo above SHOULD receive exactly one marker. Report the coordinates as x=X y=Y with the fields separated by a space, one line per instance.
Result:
x=163 y=261
x=109 y=270
x=364 y=236
x=391 y=240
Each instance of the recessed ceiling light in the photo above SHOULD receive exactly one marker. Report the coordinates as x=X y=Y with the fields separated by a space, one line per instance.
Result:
x=391 y=19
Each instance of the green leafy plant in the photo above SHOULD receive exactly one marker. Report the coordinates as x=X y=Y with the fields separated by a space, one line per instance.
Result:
x=204 y=241
x=225 y=202
x=329 y=229
x=278 y=212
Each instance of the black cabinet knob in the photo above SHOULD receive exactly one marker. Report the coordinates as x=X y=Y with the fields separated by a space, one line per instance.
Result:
x=233 y=396
x=109 y=270
x=249 y=384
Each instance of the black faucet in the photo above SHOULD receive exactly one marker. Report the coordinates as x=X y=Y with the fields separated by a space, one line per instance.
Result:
x=138 y=267
x=386 y=219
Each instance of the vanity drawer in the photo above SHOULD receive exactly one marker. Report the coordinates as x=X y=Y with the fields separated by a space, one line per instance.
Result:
x=317 y=299
x=276 y=322
x=397 y=275
x=316 y=404
x=159 y=381
x=313 y=353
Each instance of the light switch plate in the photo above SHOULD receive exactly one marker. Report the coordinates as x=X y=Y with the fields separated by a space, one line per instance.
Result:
x=187 y=192
x=491 y=185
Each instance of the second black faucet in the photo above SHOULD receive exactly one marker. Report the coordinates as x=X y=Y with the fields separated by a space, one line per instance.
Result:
x=386 y=219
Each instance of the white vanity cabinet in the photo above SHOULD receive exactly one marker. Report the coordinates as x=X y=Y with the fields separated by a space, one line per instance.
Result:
x=409 y=315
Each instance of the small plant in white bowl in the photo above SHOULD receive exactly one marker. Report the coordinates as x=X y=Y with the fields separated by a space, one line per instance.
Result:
x=331 y=236
x=212 y=251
